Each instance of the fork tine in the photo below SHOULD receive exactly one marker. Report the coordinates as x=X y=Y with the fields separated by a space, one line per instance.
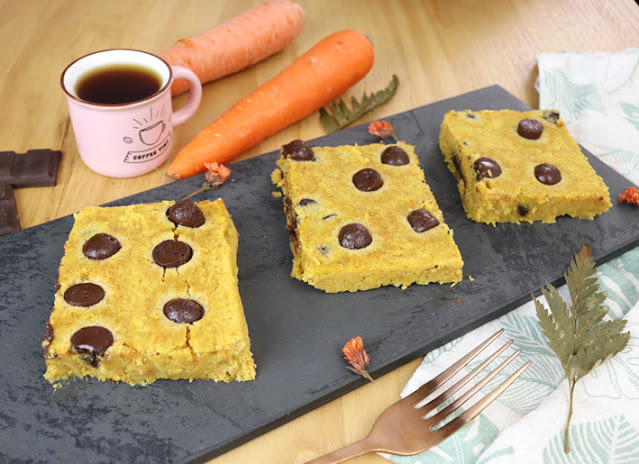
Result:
x=467 y=378
x=432 y=385
x=471 y=392
x=472 y=412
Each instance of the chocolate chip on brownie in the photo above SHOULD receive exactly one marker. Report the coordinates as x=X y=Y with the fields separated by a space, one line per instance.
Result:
x=551 y=116
x=487 y=167
x=183 y=311
x=522 y=210
x=421 y=220
x=85 y=295
x=530 y=129
x=172 y=253
x=395 y=156
x=48 y=333
x=186 y=213
x=355 y=236
x=547 y=174
x=368 y=180
x=91 y=342
x=101 y=246
x=298 y=150
x=306 y=201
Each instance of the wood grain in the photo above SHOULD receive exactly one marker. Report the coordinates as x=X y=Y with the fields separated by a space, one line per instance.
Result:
x=437 y=48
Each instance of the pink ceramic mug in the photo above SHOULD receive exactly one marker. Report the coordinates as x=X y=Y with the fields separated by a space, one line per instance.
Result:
x=132 y=138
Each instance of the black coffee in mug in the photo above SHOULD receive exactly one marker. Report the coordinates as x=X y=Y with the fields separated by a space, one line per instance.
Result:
x=117 y=84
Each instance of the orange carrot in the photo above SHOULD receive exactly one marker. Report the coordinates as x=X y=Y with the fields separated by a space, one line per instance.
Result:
x=238 y=43
x=313 y=80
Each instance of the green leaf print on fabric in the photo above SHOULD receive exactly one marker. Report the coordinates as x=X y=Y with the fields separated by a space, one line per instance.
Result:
x=613 y=441
x=631 y=110
x=623 y=160
x=436 y=353
x=463 y=447
x=526 y=334
x=571 y=98
x=619 y=278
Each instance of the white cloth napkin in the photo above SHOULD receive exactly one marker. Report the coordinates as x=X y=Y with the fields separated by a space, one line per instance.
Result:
x=597 y=95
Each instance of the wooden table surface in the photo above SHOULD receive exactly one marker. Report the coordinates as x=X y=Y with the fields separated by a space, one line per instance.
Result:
x=438 y=49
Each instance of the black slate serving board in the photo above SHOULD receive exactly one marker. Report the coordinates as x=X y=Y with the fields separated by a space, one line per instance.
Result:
x=297 y=331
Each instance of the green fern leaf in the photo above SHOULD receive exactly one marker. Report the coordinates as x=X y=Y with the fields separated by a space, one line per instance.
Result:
x=579 y=336
x=337 y=115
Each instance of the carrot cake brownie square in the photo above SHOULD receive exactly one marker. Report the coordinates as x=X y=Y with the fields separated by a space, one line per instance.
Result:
x=513 y=166
x=360 y=217
x=147 y=292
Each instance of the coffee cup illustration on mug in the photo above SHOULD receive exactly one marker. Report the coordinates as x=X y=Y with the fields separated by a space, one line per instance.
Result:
x=148 y=128
x=150 y=135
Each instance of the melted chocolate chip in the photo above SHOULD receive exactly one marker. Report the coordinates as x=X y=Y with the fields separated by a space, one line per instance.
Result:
x=355 y=236
x=292 y=235
x=101 y=246
x=395 y=156
x=530 y=129
x=368 y=180
x=421 y=220
x=547 y=174
x=298 y=150
x=91 y=342
x=471 y=116
x=172 y=253
x=522 y=210
x=183 y=311
x=85 y=295
x=306 y=201
x=186 y=213
x=458 y=171
x=48 y=333
x=487 y=167
x=551 y=116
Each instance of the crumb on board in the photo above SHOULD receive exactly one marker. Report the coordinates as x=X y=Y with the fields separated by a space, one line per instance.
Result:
x=276 y=176
x=471 y=278
x=276 y=194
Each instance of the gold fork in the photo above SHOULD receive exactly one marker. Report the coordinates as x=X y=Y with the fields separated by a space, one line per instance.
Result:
x=404 y=428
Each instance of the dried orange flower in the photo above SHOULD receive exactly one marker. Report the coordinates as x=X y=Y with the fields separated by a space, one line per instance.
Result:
x=357 y=357
x=215 y=176
x=382 y=129
x=216 y=173
x=630 y=196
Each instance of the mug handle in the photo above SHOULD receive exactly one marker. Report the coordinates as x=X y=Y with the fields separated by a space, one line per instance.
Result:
x=195 y=95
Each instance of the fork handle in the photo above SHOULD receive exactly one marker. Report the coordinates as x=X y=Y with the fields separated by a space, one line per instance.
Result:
x=353 y=450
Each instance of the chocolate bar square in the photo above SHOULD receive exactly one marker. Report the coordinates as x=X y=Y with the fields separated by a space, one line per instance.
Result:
x=8 y=211
x=35 y=168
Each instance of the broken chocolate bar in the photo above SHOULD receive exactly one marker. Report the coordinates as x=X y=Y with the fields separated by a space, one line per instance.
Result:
x=8 y=212
x=35 y=168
